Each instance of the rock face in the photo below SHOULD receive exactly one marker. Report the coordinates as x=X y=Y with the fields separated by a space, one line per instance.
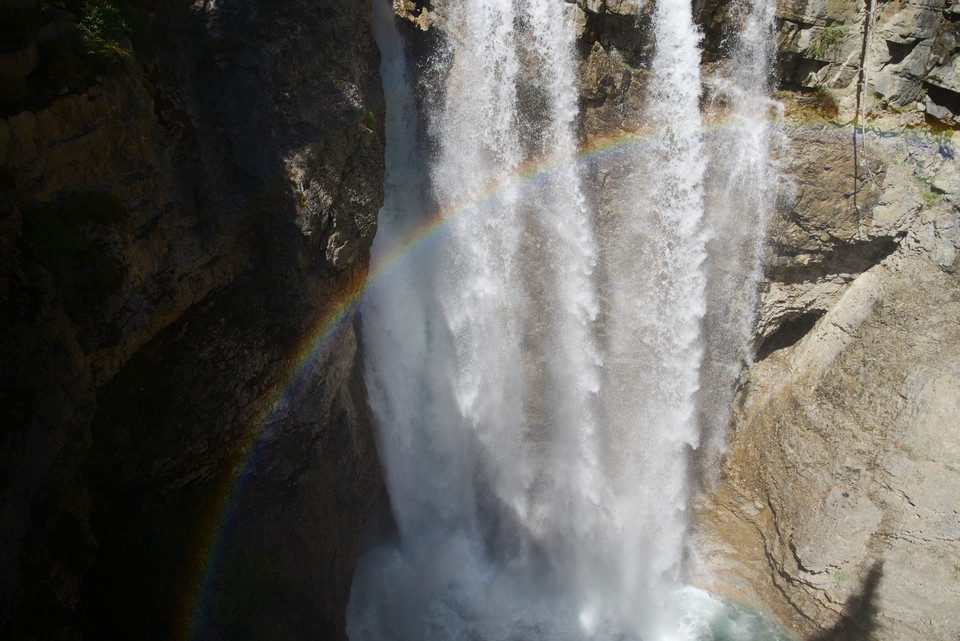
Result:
x=837 y=505
x=840 y=486
x=911 y=52
x=174 y=236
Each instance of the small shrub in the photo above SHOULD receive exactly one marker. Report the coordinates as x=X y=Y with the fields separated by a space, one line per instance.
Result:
x=370 y=120
x=106 y=29
x=824 y=103
x=829 y=37
x=101 y=30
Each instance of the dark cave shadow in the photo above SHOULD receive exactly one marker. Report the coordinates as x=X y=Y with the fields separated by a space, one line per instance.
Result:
x=859 y=617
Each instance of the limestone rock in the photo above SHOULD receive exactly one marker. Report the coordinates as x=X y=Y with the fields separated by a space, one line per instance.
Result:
x=420 y=13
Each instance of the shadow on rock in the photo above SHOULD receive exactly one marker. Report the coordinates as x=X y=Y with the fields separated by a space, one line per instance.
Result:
x=859 y=618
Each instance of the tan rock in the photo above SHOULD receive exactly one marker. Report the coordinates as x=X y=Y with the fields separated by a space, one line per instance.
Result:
x=848 y=438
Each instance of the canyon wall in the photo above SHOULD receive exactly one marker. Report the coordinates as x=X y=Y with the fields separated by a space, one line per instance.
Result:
x=181 y=216
x=176 y=228
x=837 y=506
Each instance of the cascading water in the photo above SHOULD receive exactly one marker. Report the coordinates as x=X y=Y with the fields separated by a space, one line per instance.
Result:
x=739 y=197
x=656 y=303
x=534 y=423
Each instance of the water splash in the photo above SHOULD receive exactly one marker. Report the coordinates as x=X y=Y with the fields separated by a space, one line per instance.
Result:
x=534 y=423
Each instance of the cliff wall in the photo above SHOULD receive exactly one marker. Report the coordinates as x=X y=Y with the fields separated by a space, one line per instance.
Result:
x=838 y=492
x=180 y=217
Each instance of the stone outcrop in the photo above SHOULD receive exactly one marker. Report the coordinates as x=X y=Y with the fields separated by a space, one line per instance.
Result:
x=175 y=233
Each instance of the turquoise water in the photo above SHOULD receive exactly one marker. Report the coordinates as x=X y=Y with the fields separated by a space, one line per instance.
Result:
x=705 y=617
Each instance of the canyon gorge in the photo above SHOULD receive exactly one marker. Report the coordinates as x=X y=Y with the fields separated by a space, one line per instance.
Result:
x=238 y=240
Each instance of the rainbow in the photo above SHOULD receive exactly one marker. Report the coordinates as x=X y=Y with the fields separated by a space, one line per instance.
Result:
x=327 y=327
x=315 y=342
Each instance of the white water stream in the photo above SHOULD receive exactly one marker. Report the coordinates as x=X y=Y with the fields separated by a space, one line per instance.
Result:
x=536 y=426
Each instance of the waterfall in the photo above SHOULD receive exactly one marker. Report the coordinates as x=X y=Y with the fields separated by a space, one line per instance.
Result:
x=740 y=198
x=534 y=420
x=656 y=299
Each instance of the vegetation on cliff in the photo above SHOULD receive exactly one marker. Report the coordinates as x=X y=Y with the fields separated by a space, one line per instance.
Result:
x=62 y=46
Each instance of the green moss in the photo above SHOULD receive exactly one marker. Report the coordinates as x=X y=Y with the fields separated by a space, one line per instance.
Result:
x=370 y=120
x=930 y=197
